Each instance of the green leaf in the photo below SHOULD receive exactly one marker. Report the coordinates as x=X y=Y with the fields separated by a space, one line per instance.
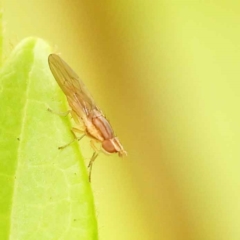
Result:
x=45 y=193
x=1 y=38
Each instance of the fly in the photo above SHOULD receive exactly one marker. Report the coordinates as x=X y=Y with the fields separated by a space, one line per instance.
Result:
x=84 y=110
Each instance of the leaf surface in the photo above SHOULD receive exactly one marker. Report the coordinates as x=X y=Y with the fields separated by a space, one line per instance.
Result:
x=45 y=192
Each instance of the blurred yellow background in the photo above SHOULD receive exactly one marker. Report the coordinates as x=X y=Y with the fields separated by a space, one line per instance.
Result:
x=167 y=75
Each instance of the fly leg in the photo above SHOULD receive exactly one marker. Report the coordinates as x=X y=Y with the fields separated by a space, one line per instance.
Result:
x=62 y=114
x=73 y=130
x=77 y=130
x=93 y=158
x=93 y=145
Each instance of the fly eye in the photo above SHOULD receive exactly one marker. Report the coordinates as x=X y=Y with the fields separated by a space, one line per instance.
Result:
x=108 y=146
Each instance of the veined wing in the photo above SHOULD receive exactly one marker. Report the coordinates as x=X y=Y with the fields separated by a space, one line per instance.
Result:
x=74 y=89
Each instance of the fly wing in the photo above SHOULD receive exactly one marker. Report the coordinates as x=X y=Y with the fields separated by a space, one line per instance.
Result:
x=76 y=92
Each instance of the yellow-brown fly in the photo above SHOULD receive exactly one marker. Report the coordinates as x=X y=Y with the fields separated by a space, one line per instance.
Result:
x=84 y=109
